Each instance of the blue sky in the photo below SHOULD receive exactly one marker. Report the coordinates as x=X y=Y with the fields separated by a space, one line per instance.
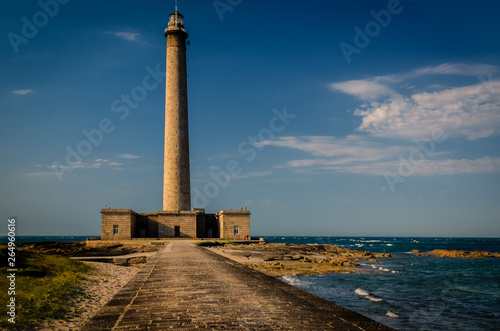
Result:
x=370 y=118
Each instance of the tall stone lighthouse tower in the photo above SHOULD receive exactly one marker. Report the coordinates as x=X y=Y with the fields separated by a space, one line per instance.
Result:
x=176 y=176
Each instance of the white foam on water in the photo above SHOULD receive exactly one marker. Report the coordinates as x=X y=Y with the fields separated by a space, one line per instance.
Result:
x=389 y=244
x=372 y=241
x=294 y=280
x=373 y=266
x=391 y=314
x=383 y=269
x=360 y=291
x=373 y=299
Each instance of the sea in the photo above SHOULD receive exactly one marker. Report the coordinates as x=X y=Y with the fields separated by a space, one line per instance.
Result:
x=406 y=291
x=409 y=292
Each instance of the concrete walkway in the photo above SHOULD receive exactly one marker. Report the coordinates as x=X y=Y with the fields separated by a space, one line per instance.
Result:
x=185 y=287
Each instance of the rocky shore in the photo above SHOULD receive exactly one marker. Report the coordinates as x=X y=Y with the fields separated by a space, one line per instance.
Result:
x=284 y=259
x=457 y=253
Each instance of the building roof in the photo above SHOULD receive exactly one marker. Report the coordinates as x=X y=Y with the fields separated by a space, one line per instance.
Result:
x=178 y=14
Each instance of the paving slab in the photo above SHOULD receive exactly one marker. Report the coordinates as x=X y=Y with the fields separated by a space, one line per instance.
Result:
x=186 y=287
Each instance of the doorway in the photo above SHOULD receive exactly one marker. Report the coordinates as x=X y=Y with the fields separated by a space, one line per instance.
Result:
x=177 y=231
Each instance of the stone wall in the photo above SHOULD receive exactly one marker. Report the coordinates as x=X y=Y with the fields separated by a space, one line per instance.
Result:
x=125 y=219
x=229 y=219
x=185 y=220
x=162 y=224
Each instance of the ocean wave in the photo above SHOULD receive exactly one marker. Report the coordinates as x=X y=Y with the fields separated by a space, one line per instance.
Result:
x=295 y=281
x=372 y=298
x=360 y=291
x=371 y=241
x=391 y=314
x=389 y=244
x=383 y=269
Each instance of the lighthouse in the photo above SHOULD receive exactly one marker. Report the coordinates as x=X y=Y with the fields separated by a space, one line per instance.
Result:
x=176 y=219
x=176 y=174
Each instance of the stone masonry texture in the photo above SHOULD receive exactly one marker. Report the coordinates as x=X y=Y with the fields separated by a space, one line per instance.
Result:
x=176 y=175
x=185 y=287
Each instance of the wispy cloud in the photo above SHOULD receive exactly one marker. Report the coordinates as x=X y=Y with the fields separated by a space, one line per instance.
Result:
x=131 y=36
x=252 y=174
x=363 y=89
x=22 y=92
x=348 y=149
x=129 y=156
x=53 y=170
x=458 y=69
x=355 y=155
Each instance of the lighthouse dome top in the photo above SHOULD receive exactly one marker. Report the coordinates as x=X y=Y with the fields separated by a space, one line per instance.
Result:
x=176 y=12
x=176 y=18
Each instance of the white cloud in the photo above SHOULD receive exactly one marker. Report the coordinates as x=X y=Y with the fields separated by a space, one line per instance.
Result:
x=460 y=69
x=253 y=174
x=131 y=36
x=22 y=92
x=428 y=167
x=471 y=111
x=129 y=156
x=457 y=69
x=393 y=107
x=348 y=149
x=363 y=89
x=356 y=155
x=64 y=169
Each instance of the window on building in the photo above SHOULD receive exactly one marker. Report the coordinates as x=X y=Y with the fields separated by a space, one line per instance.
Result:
x=236 y=230
x=115 y=229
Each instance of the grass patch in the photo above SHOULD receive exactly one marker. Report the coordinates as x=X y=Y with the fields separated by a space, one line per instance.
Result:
x=43 y=285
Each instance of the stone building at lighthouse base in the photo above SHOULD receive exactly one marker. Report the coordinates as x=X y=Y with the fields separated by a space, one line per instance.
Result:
x=126 y=224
